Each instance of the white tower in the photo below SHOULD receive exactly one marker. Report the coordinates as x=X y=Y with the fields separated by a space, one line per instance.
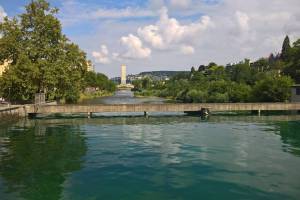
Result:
x=123 y=75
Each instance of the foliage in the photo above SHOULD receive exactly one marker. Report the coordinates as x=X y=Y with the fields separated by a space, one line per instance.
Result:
x=286 y=48
x=265 y=80
x=293 y=64
x=99 y=81
x=273 y=89
x=42 y=58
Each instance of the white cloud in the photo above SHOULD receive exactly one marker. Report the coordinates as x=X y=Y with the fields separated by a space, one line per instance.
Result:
x=187 y=50
x=102 y=56
x=134 y=48
x=169 y=33
x=2 y=13
x=151 y=35
x=180 y=3
x=243 y=20
x=228 y=31
x=120 y=13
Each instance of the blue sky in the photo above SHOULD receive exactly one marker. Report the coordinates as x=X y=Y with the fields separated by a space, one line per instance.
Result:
x=172 y=34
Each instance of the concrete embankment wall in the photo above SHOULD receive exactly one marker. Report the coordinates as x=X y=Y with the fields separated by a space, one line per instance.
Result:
x=14 y=112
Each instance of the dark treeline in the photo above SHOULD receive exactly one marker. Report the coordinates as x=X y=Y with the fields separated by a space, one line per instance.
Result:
x=99 y=81
x=42 y=59
x=265 y=80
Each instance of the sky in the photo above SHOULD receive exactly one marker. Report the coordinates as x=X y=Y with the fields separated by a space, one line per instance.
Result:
x=152 y=35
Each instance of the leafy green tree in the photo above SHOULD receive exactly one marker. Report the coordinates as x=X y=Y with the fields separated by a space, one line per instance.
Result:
x=261 y=65
x=239 y=92
x=293 y=66
x=196 y=96
x=286 y=47
x=34 y=41
x=18 y=82
x=193 y=70
x=242 y=73
x=272 y=89
x=100 y=81
x=146 y=83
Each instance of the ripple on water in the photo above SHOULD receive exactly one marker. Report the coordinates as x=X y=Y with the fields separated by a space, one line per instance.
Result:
x=155 y=158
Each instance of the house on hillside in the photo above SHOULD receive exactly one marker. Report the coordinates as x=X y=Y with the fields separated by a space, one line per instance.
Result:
x=4 y=66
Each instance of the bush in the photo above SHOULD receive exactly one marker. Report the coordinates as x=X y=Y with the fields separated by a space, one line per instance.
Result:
x=272 y=89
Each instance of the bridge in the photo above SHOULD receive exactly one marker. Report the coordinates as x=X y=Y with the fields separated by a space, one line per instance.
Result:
x=32 y=110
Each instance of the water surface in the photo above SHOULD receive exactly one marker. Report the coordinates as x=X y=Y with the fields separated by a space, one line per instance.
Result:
x=124 y=97
x=157 y=158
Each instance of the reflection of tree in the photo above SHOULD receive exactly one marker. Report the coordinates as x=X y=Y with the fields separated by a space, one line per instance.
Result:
x=290 y=134
x=36 y=166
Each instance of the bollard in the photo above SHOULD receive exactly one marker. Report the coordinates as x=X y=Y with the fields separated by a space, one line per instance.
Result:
x=146 y=114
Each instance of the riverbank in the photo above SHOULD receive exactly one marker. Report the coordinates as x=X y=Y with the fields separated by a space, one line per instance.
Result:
x=98 y=94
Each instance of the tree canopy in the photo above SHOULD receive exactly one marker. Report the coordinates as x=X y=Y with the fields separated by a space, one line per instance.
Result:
x=42 y=58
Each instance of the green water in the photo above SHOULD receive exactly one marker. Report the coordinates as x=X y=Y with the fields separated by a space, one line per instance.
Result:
x=156 y=158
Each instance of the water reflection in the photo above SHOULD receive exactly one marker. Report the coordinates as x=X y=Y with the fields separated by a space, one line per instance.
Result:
x=35 y=161
x=290 y=136
x=156 y=158
x=185 y=159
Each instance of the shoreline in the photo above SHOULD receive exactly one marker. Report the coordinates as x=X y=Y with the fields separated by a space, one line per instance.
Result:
x=84 y=96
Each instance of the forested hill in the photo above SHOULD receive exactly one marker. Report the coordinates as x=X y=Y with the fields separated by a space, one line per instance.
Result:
x=162 y=73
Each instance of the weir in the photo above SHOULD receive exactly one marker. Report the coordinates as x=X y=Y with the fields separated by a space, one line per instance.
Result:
x=33 y=110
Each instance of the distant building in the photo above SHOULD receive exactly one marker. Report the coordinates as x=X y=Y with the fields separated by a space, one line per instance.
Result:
x=123 y=75
x=3 y=67
x=123 y=81
x=90 y=66
x=295 y=93
x=153 y=75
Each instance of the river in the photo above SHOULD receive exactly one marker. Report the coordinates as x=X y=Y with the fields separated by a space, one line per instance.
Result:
x=124 y=97
x=160 y=157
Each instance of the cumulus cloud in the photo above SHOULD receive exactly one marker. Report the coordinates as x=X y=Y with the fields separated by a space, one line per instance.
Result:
x=134 y=48
x=102 y=56
x=225 y=31
x=169 y=32
x=2 y=13
x=243 y=20
x=187 y=50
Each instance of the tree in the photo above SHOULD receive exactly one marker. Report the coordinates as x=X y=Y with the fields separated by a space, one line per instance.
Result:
x=241 y=72
x=272 y=89
x=239 y=92
x=286 y=47
x=34 y=41
x=100 y=81
x=293 y=66
x=193 y=70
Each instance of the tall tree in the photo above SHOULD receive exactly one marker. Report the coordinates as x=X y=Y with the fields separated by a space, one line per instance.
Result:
x=34 y=41
x=286 y=47
x=293 y=66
